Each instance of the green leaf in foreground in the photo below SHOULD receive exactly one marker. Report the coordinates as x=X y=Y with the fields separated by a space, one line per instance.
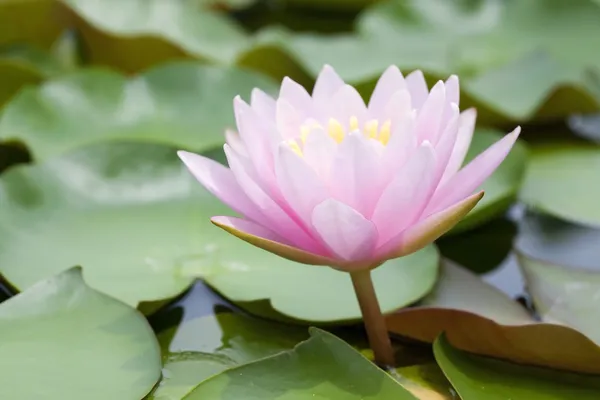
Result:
x=185 y=105
x=63 y=340
x=502 y=186
x=198 y=348
x=321 y=367
x=561 y=180
x=479 y=378
x=272 y=287
x=476 y=317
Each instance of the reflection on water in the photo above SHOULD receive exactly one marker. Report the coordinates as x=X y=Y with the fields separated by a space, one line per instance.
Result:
x=559 y=242
x=507 y=277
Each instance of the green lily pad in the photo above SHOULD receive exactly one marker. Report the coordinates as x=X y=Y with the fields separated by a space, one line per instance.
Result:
x=502 y=187
x=198 y=348
x=476 y=317
x=321 y=367
x=315 y=294
x=126 y=211
x=184 y=104
x=560 y=181
x=479 y=378
x=147 y=32
x=517 y=60
x=63 y=340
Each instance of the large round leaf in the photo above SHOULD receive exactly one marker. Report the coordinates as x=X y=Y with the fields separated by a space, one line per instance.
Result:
x=479 y=318
x=197 y=348
x=322 y=367
x=126 y=212
x=561 y=180
x=63 y=340
x=147 y=32
x=183 y=104
x=502 y=186
x=282 y=289
x=479 y=378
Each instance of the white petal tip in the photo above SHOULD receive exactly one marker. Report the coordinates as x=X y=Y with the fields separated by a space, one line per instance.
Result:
x=516 y=132
x=185 y=155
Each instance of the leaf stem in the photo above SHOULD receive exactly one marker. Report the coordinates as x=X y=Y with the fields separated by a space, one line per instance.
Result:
x=379 y=340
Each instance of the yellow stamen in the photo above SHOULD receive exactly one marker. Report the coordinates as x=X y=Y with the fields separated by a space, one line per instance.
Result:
x=295 y=147
x=304 y=132
x=335 y=130
x=353 y=123
x=371 y=129
x=385 y=132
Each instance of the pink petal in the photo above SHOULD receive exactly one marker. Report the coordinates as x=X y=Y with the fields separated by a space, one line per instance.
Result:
x=397 y=108
x=262 y=104
x=416 y=85
x=452 y=90
x=288 y=119
x=220 y=181
x=327 y=84
x=356 y=173
x=233 y=139
x=299 y=184
x=319 y=152
x=266 y=239
x=390 y=82
x=445 y=146
x=430 y=115
x=344 y=230
x=473 y=175
x=275 y=217
x=257 y=140
x=466 y=127
x=452 y=97
x=296 y=95
x=427 y=230
x=401 y=144
x=403 y=201
x=346 y=103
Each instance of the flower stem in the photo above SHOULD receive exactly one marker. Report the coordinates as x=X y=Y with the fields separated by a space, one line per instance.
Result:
x=379 y=340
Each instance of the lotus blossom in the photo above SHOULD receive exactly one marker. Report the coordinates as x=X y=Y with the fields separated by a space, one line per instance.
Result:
x=325 y=179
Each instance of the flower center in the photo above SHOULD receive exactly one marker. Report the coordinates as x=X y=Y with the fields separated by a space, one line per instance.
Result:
x=370 y=129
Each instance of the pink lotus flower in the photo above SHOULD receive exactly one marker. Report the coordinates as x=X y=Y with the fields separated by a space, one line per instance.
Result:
x=328 y=180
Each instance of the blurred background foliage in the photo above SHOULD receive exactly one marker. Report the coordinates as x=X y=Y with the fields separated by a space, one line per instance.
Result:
x=96 y=95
